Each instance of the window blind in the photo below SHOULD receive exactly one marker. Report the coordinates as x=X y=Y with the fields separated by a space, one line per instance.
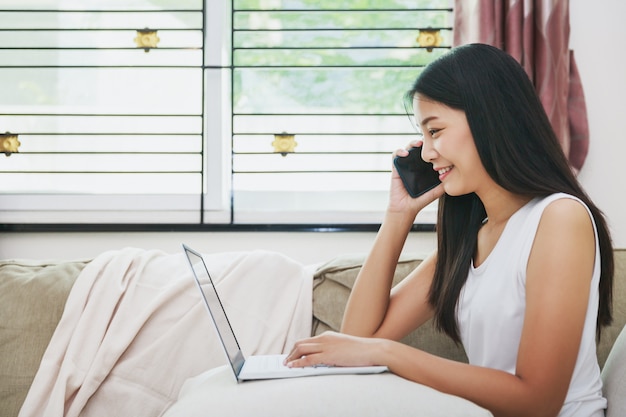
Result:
x=329 y=76
x=242 y=112
x=109 y=130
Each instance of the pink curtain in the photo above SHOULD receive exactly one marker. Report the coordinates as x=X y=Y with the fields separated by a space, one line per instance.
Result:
x=536 y=33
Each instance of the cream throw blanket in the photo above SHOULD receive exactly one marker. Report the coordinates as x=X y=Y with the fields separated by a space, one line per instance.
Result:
x=134 y=329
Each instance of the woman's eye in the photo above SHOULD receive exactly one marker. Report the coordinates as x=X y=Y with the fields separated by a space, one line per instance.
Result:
x=433 y=132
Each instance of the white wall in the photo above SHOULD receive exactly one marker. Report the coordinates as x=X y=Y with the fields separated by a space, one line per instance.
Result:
x=307 y=248
x=596 y=31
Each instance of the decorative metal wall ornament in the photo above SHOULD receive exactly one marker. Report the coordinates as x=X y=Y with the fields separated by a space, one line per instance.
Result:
x=147 y=39
x=284 y=143
x=429 y=38
x=9 y=143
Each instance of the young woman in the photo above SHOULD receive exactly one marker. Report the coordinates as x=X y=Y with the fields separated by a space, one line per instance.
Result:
x=522 y=274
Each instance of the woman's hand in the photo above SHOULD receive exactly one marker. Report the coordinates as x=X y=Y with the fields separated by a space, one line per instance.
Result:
x=399 y=198
x=334 y=349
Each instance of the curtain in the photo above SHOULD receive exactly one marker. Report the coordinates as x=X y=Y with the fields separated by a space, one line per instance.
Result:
x=536 y=33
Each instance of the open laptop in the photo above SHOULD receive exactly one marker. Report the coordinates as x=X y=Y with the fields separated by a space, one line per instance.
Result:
x=256 y=366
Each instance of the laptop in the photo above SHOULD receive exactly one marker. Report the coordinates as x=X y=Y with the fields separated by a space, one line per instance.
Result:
x=255 y=366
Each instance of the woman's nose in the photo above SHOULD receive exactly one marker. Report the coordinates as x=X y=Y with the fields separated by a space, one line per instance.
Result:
x=428 y=152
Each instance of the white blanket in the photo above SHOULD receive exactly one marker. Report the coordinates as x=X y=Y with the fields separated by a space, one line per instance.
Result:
x=134 y=329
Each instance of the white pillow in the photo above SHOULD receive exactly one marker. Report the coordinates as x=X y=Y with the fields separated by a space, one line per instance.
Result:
x=614 y=378
x=216 y=392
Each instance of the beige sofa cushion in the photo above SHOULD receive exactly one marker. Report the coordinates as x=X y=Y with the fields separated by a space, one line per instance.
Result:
x=32 y=297
x=332 y=285
x=610 y=333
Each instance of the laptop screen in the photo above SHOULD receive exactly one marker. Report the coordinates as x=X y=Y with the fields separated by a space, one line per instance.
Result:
x=216 y=309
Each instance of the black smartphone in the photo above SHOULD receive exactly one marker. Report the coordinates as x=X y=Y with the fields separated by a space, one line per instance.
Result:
x=418 y=176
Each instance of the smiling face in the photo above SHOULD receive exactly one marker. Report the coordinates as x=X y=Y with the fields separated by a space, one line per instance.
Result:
x=449 y=145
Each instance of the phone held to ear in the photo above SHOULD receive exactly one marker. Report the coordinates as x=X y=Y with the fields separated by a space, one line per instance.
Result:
x=418 y=176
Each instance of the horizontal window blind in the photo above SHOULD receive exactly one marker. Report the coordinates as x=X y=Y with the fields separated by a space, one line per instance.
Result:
x=192 y=112
x=330 y=76
x=109 y=131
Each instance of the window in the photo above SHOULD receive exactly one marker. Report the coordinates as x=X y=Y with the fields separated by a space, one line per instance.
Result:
x=208 y=113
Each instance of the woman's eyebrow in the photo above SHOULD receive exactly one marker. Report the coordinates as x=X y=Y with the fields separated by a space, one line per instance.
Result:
x=427 y=119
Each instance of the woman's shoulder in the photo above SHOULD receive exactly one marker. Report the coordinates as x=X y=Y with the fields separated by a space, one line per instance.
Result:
x=565 y=225
x=555 y=203
x=567 y=212
x=563 y=208
x=552 y=222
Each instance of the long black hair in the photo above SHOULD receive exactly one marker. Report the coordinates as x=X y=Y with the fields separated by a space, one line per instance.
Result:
x=518 y=149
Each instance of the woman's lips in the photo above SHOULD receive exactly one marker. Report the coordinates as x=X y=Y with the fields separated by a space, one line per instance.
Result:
x=443 y=172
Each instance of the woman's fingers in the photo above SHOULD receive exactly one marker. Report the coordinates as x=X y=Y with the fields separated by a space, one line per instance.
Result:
x=304 y=353
x=310 y=352
x=331 y=349
x=405 y=151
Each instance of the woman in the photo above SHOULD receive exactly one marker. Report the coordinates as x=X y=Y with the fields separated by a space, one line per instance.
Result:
x=522 y=274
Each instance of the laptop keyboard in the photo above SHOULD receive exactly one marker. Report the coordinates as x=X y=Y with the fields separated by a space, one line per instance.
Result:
x=269 y=362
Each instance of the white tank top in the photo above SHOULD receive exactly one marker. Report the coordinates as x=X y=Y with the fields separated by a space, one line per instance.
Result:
x=491 y=307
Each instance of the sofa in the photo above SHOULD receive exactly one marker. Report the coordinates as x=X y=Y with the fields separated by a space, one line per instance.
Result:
x=33 y=295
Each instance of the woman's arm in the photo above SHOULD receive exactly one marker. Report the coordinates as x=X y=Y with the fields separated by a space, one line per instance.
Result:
x=374 y=309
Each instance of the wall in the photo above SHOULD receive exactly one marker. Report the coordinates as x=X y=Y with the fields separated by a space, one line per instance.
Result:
x=307 y=248
x=595 y=33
